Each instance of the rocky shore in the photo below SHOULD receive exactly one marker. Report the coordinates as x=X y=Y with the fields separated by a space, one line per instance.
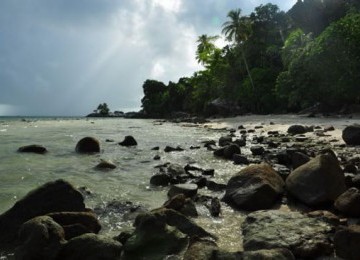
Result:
x=298 y=190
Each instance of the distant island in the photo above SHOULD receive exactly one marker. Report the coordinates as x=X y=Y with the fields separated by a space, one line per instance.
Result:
x=103 y=110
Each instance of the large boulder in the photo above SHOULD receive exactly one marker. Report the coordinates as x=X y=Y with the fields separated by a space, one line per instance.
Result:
x=33 y=148
x=297 y=129
x=54 y=196
x=91 y=247
x=40 y=238
x=347 y=241
x=351 y=134
x=318 y=181
x=76 y=223
x=255 y=187
x=88 y=145
x=348 y=203
x=305 y=237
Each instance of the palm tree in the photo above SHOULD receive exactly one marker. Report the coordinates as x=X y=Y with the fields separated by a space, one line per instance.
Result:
x=205 y=48
x=238 y=30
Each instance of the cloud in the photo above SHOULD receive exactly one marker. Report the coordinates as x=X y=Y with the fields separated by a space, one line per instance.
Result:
x=64 y=57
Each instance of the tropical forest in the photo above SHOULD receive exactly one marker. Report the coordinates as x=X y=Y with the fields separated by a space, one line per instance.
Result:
x=273 y=62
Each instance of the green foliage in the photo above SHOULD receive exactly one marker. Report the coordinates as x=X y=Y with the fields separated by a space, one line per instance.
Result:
x=103 y=109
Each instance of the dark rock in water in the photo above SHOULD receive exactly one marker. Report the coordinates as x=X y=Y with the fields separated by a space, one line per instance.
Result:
x=329 y=128
x=211 y=185
x=201 y=249
x=40 y=238
x=348 y=203
x=109 y=140
x=156 y=148
x=57 y=196
x=103 y=165
x=269 y=254
x=240 y=142
x=128 y=141
x=305 y=237
x=208 y=172
x=301 y=138
x=350 y=168
x=169 y=149
x=160 y=179
x=76 y=223
x=194 y=147
x=257 y=150
x=189 y=190
x=298 y=159
x=88 y=145
x=157 y=157
x=230 y=150
x=182 y=204
x=92 y=247
x=175 y=169
x=219 y=152
x=240 y=159
x=317 y=182
x=152 y=238
x=33 y=148
x=225 y=140
x=351 y=134
x=215 y=207
x=347 y=241
x=297 y=129
x=255 y=187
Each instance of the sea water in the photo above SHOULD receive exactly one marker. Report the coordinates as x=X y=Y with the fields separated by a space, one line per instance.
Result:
x=22 y=172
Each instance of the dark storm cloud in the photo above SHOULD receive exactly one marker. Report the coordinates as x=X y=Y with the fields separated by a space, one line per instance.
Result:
x=63 y=57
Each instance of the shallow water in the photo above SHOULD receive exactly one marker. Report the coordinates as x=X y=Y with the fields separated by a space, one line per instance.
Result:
x=22 y=172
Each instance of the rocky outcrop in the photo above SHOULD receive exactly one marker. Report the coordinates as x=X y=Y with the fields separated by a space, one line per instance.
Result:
x=255 y=187
x=280 y=229
x=40 y=238
x=317 y=182
x=351 y=134
x=348 y=203
x=91 y=247
x=88 y=145
x=57 y=196
x=128 y=141
x=346 y=241
x=33 y=148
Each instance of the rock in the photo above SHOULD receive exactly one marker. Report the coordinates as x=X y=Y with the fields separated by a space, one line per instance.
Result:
x=225 y=140
x=269 y=254
x=219 y=152
x=200 y=249
x=128 y=141
x=257 y=150
x=351 y=134
x=76 y=223
x=230 y=150
x=317 y=182
x=91 y=247
x=215 y=207
x=174 y=169
x=297 y=129
x=40 y=238
x=182 y=204
x=298 y=159
x=348 y=203
x=240 y=142
x=160 y=179
x=152 y=238
x=305 y=237
x=346 y=241
x=157 y=157
x=169 y=149
x=103 y=165
x=155 y=148
x=211 y=185
x=57 y=196
x=189 y=190
x=325 y=216
x=329 y=128
x=33 y=148
x=240 y=159
x=255 y=187
x=88 y=145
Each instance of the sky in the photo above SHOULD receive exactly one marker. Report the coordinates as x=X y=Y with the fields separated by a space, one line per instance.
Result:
x=64 y=57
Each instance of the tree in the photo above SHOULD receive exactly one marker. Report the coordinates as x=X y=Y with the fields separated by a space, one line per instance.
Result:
x=238 y=30
x=205 y=49
x=103 y=109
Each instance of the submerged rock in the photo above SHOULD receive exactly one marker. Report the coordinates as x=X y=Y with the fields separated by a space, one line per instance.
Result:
x=128 y=141
x=33 y=148
x=40 y=238
x=88 y=145
x=255 y=187
x=103 y=165
x=351 y=135
x=305 y=237
x=317 y=182
x=57 y=196
x=91 y=247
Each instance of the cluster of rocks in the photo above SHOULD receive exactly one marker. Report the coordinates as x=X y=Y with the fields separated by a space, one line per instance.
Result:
x=293 y=169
